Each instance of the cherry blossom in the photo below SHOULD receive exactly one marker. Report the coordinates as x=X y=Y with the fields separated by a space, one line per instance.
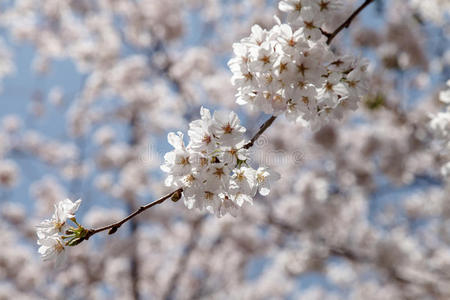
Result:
x=53 y=232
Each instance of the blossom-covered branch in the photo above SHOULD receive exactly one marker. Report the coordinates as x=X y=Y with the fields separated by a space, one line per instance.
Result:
x=289 y=69
x=55 y=234
x=174 y=196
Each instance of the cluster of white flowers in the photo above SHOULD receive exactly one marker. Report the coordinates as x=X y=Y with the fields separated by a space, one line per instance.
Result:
x=440 y=125
x=213 y=168
x=290 y=68
x=53 y=232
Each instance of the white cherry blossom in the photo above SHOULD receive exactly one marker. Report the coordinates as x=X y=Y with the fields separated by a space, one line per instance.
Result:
x=51 y=247
x=264 y=178
x=272 y=68
x=52 y=232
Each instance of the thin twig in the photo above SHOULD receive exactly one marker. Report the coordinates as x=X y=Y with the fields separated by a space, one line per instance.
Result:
x=113 y=227
x=261 y=130
x=347 y=22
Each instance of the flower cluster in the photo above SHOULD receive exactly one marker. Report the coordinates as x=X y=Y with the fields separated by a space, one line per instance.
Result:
x=213 y=168
x=440 y=125
x=53 y=233
x=290 y=69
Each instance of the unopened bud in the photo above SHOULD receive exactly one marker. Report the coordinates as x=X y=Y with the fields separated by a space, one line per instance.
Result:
x=74 y=242
x=113 y=230
x=176 y=196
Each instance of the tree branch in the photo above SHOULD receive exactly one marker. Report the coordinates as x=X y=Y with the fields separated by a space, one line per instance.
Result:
x=113 y=227
x=261 y=130
x=346 y=23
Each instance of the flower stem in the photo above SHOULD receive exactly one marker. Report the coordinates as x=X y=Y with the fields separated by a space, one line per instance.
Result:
x=347 y=22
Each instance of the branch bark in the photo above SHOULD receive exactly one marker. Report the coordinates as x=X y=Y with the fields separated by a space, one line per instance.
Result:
x=113 y=227
x=261 y=130
x=347 y=22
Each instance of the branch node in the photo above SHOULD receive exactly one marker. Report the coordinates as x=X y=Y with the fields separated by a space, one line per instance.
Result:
x=113 y=230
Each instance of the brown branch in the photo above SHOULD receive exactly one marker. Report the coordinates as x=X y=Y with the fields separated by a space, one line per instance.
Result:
x=347 y=22
x=113 y=227
x=261 y=130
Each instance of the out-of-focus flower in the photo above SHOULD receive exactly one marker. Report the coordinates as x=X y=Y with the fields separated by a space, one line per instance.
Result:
x=9 y=173
x=444 y=96
x=440 y=125
x=12 y=123
x=433 y=10
x=56 y=96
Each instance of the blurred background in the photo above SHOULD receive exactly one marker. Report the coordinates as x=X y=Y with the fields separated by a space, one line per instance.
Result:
x=89 y=91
